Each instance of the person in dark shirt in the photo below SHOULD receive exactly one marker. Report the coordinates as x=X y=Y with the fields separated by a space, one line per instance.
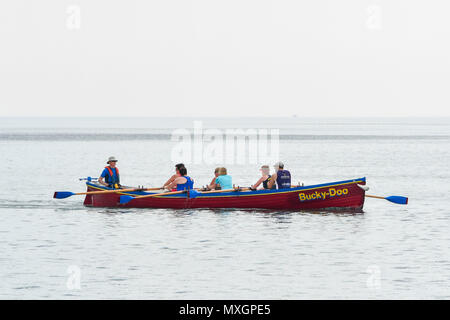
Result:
x=265 y=178
x=281 y=177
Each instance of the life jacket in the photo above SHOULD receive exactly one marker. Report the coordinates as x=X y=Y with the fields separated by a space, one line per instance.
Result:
x=110 y=179
x=189 y=184
x=266 y=183
x=283 y=179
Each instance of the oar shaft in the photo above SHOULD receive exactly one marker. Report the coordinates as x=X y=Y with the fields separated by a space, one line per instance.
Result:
x=126 y=199
x=393 y=199
x=376 y=197
x=219 y=191
x=115 y=190
x=160 y=194
x=178 y=192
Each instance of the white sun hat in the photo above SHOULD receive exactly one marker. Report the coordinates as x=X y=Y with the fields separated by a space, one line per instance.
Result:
x=279 y=164
x=112 y=159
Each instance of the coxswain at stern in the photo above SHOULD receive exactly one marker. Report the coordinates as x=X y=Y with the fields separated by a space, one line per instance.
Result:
x=110 y=176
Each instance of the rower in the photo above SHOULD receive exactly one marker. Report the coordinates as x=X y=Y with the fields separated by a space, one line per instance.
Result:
x=183 y=182
x=224 y=181
x=176 y=175
x=212 y=185
x=281 y=177
x=265 y=178
x=110 y=176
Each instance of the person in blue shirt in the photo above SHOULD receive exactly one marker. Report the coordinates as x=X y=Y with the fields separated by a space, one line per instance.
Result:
x=176 y=175
x=110 y=176
x=212 y=185
x=183 y=182
x=224 y=181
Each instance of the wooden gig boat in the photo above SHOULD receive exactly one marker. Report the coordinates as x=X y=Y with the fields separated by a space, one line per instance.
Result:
x=335 y=195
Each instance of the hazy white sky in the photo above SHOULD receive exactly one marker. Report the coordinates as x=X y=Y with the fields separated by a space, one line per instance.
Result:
x=230 y=58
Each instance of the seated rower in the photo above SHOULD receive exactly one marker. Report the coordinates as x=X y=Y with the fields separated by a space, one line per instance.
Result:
x=176 y=175
x=265 y=171
x=110 y=176
x=281 y=177
x=183 y=182
x=224 y=181
x=212 y=185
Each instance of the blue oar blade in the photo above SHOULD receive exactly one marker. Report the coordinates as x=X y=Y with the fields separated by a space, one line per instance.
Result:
x=397 y=199
x=125 y=199
x=62 y=194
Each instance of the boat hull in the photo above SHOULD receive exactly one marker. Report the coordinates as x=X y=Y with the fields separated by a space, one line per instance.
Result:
x=336 y=195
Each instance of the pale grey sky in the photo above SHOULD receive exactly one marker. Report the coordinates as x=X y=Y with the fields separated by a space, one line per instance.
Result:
x=230 y=58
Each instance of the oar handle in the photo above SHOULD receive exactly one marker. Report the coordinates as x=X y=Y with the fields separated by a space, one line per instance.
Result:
x=88 y=179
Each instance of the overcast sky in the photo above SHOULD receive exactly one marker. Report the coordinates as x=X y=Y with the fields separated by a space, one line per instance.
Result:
x=225 y=58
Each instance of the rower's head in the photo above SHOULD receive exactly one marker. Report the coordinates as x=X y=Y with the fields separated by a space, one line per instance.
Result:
x=112 y=161
x=216 y=172
x=278 y=166
x=265 y=170
x=178 y=166
x=183 y=171
x=222 y=171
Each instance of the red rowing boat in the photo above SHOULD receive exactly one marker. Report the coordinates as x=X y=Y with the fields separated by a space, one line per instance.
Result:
x=335 y=195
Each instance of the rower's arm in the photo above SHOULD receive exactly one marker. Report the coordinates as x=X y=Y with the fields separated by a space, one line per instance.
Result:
x=171 y=179
x=100 y=180
x=272 y=181
x=102 y=177
x=173 y=184
x=256 y=185
x=212 y=185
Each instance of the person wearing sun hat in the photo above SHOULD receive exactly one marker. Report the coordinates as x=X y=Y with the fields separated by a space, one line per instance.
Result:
x=281 y=177
x=110 y=176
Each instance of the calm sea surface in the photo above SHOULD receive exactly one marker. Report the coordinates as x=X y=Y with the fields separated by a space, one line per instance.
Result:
x=59 y=249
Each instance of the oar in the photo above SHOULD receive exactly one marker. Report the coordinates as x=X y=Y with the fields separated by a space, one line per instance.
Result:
x=125 y=198
x=394 y=199
x=192 y=194
x=66 y=194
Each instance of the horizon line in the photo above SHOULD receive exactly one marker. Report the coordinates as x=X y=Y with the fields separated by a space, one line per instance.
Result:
x=229 y=117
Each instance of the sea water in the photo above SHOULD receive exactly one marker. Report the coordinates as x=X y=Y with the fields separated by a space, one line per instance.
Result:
x=59 y=249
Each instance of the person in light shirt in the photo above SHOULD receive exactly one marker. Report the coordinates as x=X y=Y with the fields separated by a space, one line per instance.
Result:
x=224 y=181
x=212 y=185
